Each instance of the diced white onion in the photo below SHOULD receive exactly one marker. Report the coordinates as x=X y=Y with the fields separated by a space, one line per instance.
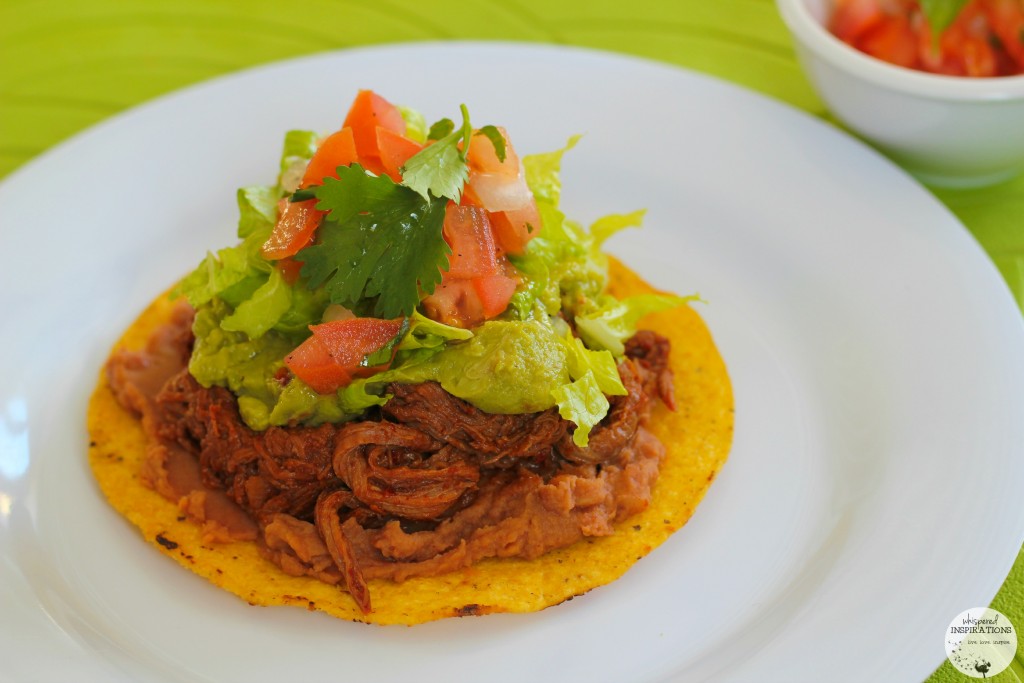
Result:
x=501 y=192
x=291 y=177
x=336 y=312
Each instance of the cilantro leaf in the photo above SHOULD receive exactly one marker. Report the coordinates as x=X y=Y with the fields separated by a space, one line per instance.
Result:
x=497 y=139
x=440 y=169
x=441 y=129
x=941 y=13
x=303 y=194
x=379 y=241
x=467 y=130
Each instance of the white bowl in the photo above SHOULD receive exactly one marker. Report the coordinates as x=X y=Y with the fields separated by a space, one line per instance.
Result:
x=946 y=130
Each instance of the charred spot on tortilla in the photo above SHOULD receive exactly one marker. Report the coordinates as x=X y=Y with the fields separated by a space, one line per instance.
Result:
x=166 y=542
x=231 y=530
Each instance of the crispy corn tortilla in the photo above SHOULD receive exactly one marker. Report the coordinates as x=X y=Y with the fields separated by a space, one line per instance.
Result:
x=697 y=438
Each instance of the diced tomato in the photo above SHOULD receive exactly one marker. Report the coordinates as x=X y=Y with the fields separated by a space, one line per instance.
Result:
x=483 y=157
x=1006 y=19
x=476 y=286
x=296 y=223
x=395 y=150
x=467 y=230
x=330 y=358
x=337 y=149
x=986 y=39
x=290 y=269
x=314 y=365
x=979 y=59
x=373 y=165
x=513 y=229
x=467 y=303
x=891 y=40
x=964 y=48
x=852 y=18
x=456 y=303
x=371 y=111
x=494 y=292
x=351 y=339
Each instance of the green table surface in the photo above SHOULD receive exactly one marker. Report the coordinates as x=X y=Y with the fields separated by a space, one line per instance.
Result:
x=64 y=65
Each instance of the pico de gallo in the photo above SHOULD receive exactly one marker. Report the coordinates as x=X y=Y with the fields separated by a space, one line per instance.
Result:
x=392 y=251
x=979 y=38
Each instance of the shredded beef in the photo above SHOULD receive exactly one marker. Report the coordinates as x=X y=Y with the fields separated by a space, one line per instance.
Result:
x=171 y=468
x=278 y=470
x=402 y=472
x=493 y=439
x=428 y=485
x=651 y=352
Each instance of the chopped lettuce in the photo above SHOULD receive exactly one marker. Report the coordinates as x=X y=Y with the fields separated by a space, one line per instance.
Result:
x=299 y=148
x=298 y=144
x=425 y=333
x=415 y=124
x=307 y=308
x=257 y=314
x=248 y=318
x=583 y=403
x=240 y=267
x=606 y=226
x=595 y=376
x=543 y=173
x=240 y=277
x=257 y=210
x=614 y=321
x=563 y=268
x=212 y=276
x=600 y=364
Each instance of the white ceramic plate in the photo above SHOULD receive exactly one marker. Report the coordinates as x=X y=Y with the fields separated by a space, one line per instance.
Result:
x=877 y=359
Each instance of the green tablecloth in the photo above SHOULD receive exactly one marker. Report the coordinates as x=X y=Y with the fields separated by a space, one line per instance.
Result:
x=65 y=65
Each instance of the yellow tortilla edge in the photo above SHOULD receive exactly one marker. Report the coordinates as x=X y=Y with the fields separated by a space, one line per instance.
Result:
x=697 y=438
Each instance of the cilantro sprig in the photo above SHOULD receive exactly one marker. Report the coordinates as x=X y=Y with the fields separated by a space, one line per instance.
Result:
x=440 y=169
x=497 y=139
x=379 y=241
x=381 y=244
x=440 y=129
x=940 y=14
